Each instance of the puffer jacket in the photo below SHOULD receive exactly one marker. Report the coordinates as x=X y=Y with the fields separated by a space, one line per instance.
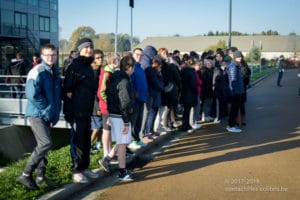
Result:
x=43 y=93
x=80 y=81
x=149 y=53
x=120 y=96
x=236 y=84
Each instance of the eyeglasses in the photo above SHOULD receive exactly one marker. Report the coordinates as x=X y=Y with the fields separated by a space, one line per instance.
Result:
x=49 y=55
x=138 y=54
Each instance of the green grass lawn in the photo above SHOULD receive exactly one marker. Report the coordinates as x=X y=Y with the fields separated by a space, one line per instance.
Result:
x=58 y=169
x=256 y=74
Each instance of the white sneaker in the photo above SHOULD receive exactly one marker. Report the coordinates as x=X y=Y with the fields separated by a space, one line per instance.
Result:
x=98 y=145
x=90 y=174
x=134 y=145
x=167 y=129
x=176 y=124
x=190 y=130
x=196 y=126
x=79 y=178
x=217 y=121
x=233 y=129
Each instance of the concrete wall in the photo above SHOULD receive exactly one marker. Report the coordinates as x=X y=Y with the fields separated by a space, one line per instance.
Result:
x=17 y=140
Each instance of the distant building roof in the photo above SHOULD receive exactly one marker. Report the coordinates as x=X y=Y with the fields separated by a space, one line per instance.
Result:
x=276 y=43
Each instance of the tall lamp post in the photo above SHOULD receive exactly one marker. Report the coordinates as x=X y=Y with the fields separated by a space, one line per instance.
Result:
x=229 y=32
x=251 y=57
x=131 y=4
x=260 y=47
x=116 y=30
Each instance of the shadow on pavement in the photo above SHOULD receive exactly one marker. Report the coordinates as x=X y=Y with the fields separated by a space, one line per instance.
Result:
x=272 y=125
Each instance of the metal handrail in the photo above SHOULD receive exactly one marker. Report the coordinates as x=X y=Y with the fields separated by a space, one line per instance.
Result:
x=13 y=76
x=30 y=36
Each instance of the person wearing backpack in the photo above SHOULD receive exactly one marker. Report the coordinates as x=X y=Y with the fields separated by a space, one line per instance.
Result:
x=246 y=73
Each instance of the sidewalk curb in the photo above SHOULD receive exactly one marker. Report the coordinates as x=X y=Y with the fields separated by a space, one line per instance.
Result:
x=260 y=79
x=69 y=189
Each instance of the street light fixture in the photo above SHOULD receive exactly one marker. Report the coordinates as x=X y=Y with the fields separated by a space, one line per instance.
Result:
x=131 y=4
x=230 y=11
x=116 y=31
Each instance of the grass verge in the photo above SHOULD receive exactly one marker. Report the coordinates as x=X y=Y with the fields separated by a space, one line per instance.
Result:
x=264 y=71
x=58 y=169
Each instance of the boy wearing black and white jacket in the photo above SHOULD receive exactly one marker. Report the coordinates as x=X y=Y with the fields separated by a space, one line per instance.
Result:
x=120 y=107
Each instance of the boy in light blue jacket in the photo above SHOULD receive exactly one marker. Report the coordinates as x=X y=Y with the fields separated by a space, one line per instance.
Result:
x=43 y=93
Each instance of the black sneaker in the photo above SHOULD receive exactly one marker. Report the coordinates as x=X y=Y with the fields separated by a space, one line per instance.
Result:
x=105 y=163
x=128 y=151
x=125 y=177
x=28 y=182
x=114 y=161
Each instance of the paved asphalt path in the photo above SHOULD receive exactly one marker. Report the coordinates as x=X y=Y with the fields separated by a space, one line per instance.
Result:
x=262 y=162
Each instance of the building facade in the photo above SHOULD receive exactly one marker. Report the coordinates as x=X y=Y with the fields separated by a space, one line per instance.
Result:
x=25 y=26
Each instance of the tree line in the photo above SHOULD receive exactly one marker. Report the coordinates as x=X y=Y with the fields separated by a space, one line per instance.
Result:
x=237 y=33
x=103 y=41
x=106 y=41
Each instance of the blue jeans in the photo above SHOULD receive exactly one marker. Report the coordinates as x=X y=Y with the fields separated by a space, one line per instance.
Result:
x=38 y=158
x=196 y=111
x=280 y=74
x=137 y=120
x=207 y=103
x=150 y=120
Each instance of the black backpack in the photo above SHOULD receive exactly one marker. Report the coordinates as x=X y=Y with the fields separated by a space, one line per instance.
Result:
x=246 y=73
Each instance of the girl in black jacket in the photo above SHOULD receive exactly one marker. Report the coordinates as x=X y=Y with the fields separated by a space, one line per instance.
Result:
x=120 y=107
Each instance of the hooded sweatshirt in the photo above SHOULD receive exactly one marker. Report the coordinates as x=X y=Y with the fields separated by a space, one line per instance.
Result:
x=149 y=53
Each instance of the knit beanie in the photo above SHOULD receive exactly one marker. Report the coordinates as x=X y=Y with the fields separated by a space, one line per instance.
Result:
x=237 y=54
x=84 y=42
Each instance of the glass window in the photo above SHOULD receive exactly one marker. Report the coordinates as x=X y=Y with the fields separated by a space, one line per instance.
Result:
x=53 y=6
x=30 y=21
x=33 y=2
x=23 y=20
x=17 y=19
x=47 y=24
x=7 y=17
x=44 y=4
x=20 y=19
x=21 y=1
x=44 y=24
x=36 y=26
x=53 y=25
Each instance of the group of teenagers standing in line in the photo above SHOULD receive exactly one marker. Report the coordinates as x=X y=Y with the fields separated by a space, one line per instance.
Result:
x=113 y=96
